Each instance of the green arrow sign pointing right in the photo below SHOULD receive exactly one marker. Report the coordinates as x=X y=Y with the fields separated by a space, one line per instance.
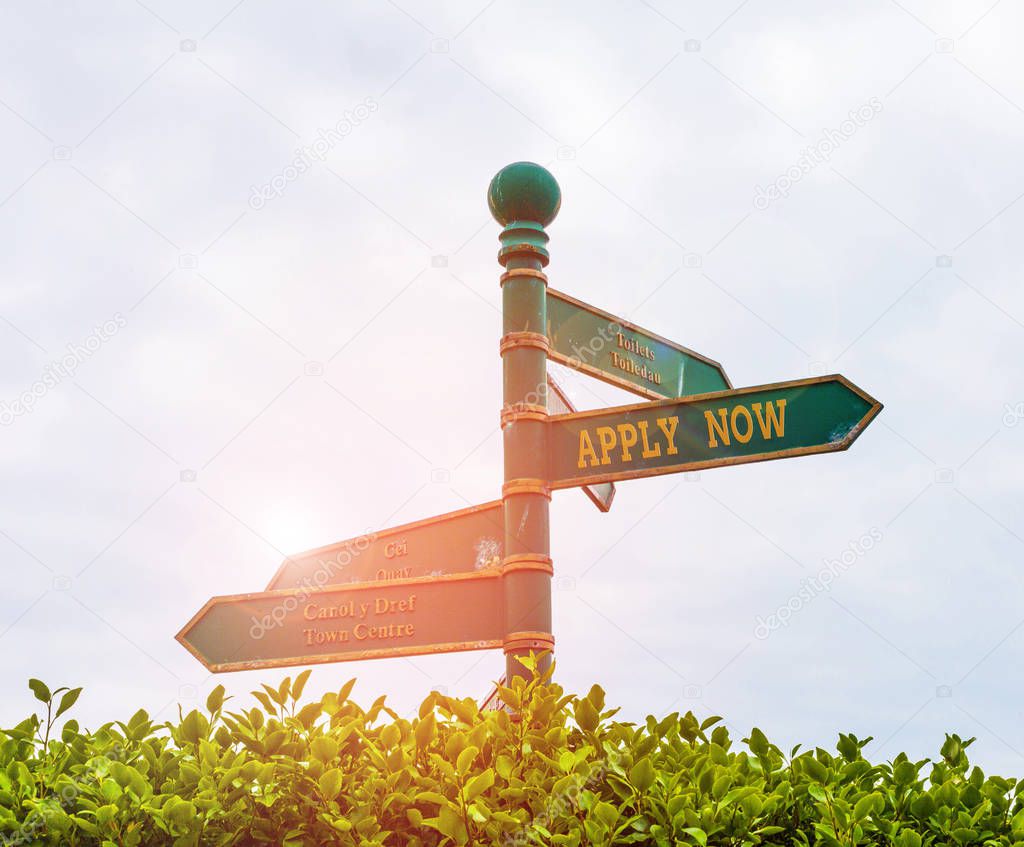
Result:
x=596 y=342
x=819 y=415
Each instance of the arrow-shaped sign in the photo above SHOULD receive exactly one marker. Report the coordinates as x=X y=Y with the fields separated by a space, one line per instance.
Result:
x=818 y=415
x=596 y=342
x=375 y=620
x=458 y=542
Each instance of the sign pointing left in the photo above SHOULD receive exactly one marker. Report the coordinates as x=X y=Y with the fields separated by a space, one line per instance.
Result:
x=457 y=542
x=374 y=620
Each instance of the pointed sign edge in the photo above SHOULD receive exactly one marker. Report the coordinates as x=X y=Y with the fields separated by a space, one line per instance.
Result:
x=493 y=572
x=610 y=378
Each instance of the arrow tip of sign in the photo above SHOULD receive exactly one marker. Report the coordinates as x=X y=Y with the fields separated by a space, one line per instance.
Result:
x=524 y=191
x=875 y=405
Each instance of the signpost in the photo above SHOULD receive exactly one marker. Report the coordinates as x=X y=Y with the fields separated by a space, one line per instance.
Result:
x=525 y=198
x=819 y=415
x=480 y=578
x=595 y=342
x=458 y=542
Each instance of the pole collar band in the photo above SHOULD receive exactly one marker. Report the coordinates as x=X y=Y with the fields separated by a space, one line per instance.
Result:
x=523 y=240
x=512 y=340
x=528 y=562
x=524 y=412
x=520 y=642
x=526 y=486
x=515 y=272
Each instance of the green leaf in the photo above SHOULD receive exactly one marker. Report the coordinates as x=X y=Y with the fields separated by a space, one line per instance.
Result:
x=814 y=769
x=105 y=816
x=182 y=814
x=466 y=759
x=848 y=747
x=194 y=727
x=340 y=824
x=110 y=790
x=504 y=766
x=642 y=774
x=449 y=823
x=479 y=784
x=528 y=662
x=215 y=701
x=346 y=690
x=721 y=786
x=324 y=748
x=826 y=835
x=770 y=830
x=587 y=716
x=87 y=826
x=606 y=813
x=698 y=834
x=922 y=806
x=273 y=742
x=264 y=701
x=426 y=731
x=908 y=838
x=300 y=683
x=904 y=773
x=758 y=743
x=865 y=806
x=309 y=714
x=40 y=690
x=817 y=792
x=67 y=701
x=330 y=783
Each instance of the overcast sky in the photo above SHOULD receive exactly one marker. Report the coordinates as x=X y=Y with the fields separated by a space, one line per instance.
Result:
x=240 y=361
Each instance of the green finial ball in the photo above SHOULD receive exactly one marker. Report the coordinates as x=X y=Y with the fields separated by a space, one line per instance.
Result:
x=524 y=191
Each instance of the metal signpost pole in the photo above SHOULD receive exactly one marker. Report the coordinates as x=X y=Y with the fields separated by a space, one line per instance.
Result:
x=524 y=198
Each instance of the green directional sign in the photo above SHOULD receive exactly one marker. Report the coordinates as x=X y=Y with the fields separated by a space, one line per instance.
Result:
x=819 y=415
x=596 y=342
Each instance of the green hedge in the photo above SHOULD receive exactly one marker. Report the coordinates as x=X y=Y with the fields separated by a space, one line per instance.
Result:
x=566 y=773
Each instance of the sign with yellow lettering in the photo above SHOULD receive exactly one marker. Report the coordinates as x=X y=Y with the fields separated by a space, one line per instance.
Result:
x=559 y=404
x=370 y=621
x=458 y=542
x=596 y=342
x=818 y=415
